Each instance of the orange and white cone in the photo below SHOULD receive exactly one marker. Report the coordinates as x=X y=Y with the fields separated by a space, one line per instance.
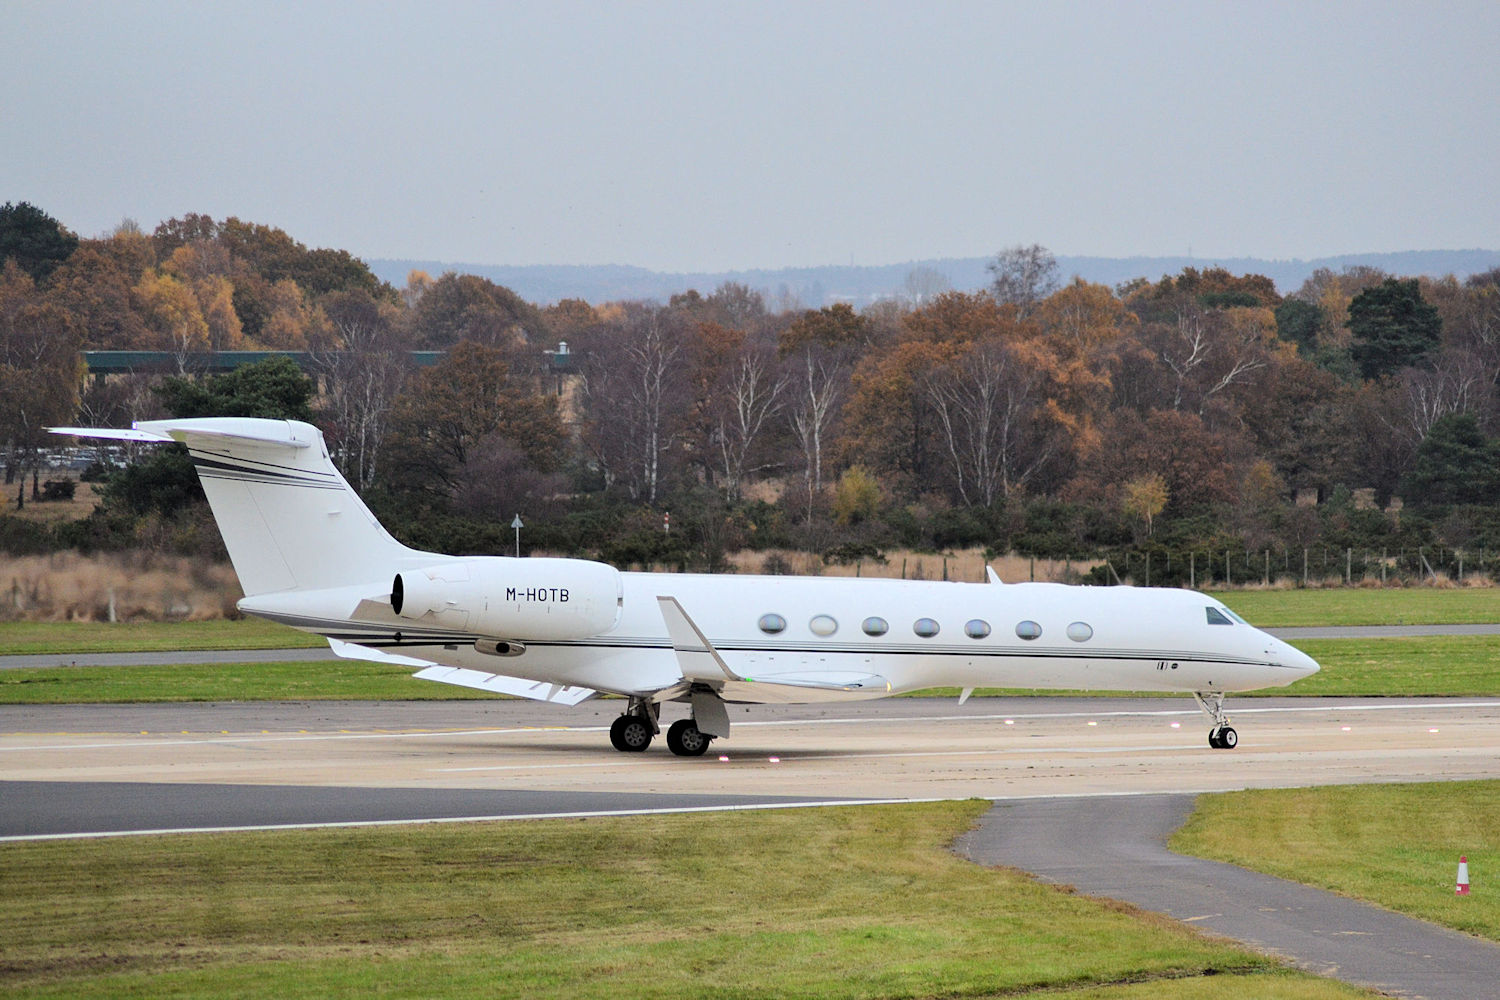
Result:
x=1463 y=877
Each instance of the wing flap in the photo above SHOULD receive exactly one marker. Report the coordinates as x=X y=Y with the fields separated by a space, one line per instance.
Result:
x=520 y=687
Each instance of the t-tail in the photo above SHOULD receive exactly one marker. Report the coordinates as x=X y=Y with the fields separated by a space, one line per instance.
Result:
x=290 y=521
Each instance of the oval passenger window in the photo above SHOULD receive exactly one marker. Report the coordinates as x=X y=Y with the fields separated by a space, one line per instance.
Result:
x=772 y=624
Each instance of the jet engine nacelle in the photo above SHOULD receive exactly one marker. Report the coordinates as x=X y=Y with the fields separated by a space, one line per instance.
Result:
x=536 y=599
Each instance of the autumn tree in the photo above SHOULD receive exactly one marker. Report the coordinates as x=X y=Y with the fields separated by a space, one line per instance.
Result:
x=888 y=421
x=451 y=420
x=363 y=366
x=636 y=397
x=174 y=319
x=736 y=390
x=1022 y=276
x=98 y=286
x=459 y=307
x=986 y=401
x=41 y=370
x=1200 y=465
x=1144 y=497
x=1080 y=332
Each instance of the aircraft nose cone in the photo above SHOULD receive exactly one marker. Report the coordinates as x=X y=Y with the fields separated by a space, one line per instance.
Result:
x=1298 y=660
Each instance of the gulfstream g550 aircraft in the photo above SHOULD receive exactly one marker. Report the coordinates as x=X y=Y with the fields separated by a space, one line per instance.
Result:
x=310 y=554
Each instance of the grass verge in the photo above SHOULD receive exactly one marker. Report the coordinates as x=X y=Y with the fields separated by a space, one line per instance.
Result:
x=826 y=903
x=1394 y=845
x=1360 y=606
x=20 y=638
x=322 y=680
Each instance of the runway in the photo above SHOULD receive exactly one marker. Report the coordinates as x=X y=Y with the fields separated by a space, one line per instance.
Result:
x=894 y=749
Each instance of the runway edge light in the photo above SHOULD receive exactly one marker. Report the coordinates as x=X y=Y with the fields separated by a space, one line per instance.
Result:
x=1463 y=876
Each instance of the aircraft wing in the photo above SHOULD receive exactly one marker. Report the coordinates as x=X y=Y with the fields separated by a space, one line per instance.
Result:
x=519 y=687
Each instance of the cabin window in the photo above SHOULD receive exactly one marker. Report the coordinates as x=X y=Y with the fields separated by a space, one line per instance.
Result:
x=925 y=627
x=772 y=624
x=875 y=626
x=1080 y=631
x=823 y=625
x=1029 y=630
x=976 y=629
x=1217 y=617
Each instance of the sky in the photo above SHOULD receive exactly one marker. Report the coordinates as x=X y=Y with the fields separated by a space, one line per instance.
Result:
x=710 y=136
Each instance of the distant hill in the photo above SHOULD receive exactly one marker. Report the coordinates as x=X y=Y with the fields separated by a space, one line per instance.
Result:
x=819 y=286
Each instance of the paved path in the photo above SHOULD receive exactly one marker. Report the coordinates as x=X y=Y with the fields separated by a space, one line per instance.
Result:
x=1116 y=847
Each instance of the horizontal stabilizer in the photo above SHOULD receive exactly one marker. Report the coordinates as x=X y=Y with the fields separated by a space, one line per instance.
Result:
x=249 y=429
x=112 y=434
x=519 y=687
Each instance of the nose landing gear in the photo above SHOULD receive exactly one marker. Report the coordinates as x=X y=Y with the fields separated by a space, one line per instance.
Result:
x=1222 y=736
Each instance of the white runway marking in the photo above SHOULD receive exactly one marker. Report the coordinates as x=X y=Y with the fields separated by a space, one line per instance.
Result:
x=450 y=733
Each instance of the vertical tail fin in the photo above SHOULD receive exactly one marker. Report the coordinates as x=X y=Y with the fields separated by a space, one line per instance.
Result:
x=289 y=519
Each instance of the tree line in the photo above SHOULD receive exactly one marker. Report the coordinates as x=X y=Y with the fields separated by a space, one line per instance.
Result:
x=1041 y=415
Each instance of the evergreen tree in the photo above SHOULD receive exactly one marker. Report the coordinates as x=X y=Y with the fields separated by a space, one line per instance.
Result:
x=1456 y=463
x=36 y=240
x=1392 y=328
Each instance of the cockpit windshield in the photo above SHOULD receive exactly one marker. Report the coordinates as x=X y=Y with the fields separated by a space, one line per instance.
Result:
x=1218 y=616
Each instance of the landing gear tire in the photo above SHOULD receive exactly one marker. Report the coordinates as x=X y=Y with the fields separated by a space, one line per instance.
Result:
x=630 y=733
x=684 y=739
x=1223 y=738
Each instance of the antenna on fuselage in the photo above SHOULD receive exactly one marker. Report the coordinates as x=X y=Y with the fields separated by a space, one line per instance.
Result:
x=991 y=575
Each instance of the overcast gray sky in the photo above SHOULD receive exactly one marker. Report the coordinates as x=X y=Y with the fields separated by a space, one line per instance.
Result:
x=709 y=136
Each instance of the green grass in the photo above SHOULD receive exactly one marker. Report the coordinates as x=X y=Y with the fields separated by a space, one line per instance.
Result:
x=1394 y=845
x=17 y=638
x=1454 y=665
x=827 y=903
x=1459 y=665
x=1358 y=606
x=323 y=680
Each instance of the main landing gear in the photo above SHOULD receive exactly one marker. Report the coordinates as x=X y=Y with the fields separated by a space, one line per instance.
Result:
x=1222 y=736
x=684 y=739
x=634 y=731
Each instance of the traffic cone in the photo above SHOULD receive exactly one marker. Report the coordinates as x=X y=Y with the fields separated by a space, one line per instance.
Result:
x=1463 y=877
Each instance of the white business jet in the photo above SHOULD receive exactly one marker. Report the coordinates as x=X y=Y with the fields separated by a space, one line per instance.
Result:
x=309 y=554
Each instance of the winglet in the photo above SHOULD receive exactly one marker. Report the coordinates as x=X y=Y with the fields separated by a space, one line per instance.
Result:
x=991 y=575
x=696 y=656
